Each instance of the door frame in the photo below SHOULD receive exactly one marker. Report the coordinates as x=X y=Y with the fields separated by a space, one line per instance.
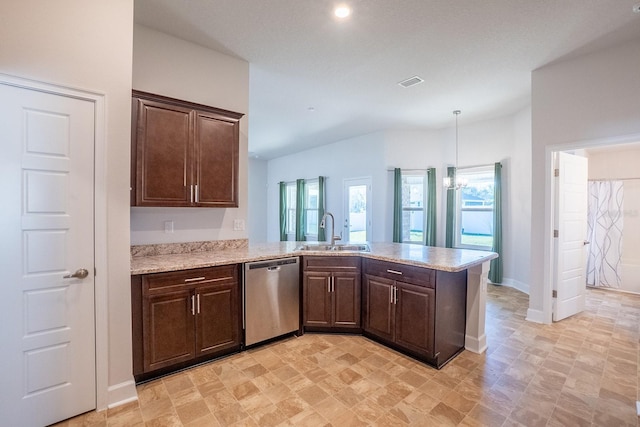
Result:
x=550 y=206
x=99 y=221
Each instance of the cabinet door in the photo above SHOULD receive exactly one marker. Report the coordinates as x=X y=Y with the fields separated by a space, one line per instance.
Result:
x=346 y=300
x=217 y=318
x=414 y=318
x=317 y=299
x=168 y=329
x=163 y=155
x=379 y=311
x=216 y=165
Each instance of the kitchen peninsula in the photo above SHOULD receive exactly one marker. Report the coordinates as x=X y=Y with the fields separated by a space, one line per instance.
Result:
x=428 y=269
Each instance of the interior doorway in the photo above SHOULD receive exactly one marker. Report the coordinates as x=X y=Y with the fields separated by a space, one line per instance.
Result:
x=552 y=255
x=357 y=209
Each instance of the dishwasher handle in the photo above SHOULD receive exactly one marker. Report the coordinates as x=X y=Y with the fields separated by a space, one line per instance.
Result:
x=276 y=268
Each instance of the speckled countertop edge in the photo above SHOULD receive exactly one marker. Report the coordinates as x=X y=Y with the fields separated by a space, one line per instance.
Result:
x=437 y=258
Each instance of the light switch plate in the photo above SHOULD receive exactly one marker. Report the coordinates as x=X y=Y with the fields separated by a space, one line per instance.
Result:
x=238 y=224
x=168 y=226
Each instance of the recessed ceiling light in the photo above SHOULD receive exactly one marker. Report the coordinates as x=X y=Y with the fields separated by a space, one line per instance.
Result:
x=342 y=11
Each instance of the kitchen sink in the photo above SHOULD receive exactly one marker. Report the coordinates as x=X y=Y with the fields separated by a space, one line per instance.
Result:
x=352 y=247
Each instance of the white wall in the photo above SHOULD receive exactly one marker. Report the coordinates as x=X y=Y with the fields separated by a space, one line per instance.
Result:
x=517 y=237
x=592 y=97
x=172 y=67
x=87 y=45
x=257 y=203
x=505 y=139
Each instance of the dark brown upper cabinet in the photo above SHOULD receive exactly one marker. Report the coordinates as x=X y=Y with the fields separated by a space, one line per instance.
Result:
x=183 y=154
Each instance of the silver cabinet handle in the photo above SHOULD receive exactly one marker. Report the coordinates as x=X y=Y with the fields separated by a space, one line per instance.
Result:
x=198 y=303
x=79 y=274
x=390 y=294
x=197 y=194
x=395 y=272
x=195 y=279
x=193 y=305
x=395 y=295
x=191 y=191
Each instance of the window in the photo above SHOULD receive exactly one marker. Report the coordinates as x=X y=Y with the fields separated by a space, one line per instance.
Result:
x=311 y=201
x=291 y=211
x=413 y=207
x=474 y=208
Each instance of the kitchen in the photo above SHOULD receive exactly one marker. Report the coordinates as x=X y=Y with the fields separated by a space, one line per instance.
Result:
x=96 y=62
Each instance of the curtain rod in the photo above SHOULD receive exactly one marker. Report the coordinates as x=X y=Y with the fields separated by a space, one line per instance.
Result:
x=615 y=179
x=459 y=167
x=306 y=179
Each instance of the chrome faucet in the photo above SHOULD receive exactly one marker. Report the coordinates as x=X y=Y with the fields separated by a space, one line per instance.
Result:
x=333 y=225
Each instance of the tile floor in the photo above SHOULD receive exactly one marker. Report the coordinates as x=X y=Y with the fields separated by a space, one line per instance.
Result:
x=579 y=372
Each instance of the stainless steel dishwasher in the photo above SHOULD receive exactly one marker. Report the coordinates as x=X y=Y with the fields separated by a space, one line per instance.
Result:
x=271 y=299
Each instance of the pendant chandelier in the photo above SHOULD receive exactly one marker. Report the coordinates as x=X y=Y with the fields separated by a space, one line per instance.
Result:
x=460 y=182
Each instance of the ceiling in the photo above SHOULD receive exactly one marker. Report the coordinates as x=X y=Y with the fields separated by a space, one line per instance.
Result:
x=315 y=80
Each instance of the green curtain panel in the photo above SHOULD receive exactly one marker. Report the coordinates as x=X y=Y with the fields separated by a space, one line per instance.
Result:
x=300 y=214
x=495 y=270
x=321 y=209
x=397 y=205
x=283 y=211
x=451 y=208
x=430 y=239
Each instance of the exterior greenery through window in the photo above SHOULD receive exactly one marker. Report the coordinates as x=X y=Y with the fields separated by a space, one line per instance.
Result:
x=311 y=205
x=474 y=208
x=308 y=218
x=291 y=210
x=413 y=207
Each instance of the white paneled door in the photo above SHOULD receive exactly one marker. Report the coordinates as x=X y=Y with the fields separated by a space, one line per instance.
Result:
x=571 y=222
x=47 y=341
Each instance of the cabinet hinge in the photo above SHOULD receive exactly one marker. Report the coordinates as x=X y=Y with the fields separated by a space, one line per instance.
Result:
x=556 y=172
x=554 y=294
x=555 y=233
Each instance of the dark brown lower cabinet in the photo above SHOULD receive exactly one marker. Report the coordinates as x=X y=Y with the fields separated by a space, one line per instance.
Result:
x=185 y=317
x=168 y=330
x=331 y=292
x=216 y=325
x=417 y=310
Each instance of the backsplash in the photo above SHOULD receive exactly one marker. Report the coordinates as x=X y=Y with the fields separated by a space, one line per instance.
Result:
x=187 y=247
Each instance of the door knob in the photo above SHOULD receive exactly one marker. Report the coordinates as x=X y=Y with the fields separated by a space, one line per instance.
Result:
x=79 y=274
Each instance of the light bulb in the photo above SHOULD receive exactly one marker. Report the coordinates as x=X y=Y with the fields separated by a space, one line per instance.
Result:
x=342 y=11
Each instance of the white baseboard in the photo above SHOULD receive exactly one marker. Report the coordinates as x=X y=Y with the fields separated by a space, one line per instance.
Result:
x=478 y=345
x=511 y=283
x=536 y=316
x=122 y=393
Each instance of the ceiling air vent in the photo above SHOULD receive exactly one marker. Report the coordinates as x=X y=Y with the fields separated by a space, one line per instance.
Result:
x=411 y=81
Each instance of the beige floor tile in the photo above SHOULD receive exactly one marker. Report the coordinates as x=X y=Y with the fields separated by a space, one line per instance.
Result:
x=312 y=394
x=191 y=411
x=446 y=415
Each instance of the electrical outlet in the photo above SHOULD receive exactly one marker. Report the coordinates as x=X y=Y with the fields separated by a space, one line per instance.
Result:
x=168 y=226
x=238 y=224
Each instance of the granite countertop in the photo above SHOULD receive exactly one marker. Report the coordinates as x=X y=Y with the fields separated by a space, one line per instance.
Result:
x=437 y=258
